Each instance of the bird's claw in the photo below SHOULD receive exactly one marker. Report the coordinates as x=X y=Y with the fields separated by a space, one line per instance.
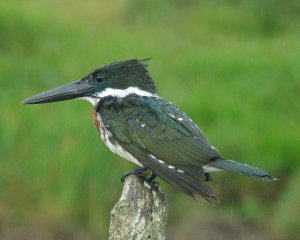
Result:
x=137 y=172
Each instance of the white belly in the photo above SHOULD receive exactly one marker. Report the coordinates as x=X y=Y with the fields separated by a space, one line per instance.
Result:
x=114 y=147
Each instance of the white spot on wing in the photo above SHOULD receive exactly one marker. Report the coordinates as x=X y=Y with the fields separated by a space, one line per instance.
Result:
x=180 y=119
x=162 y=162
x=152 y=156
x=143 y=125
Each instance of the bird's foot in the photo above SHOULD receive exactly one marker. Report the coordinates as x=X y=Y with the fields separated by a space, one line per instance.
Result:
x=137 y=171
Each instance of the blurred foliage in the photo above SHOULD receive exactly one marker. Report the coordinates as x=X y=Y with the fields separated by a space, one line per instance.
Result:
x=286 y=218
x=232 y=66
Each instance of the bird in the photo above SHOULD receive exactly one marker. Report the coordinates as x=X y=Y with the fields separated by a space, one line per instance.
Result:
x=144 y=128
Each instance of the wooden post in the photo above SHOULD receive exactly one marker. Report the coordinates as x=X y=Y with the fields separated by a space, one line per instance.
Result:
x=141 y=212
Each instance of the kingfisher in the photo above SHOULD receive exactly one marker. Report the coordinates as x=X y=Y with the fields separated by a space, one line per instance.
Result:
x=137 y=124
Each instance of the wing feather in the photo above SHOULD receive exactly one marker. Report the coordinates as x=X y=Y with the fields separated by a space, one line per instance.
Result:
x=147 y=127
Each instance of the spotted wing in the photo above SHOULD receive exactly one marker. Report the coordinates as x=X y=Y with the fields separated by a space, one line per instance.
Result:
x=162 y=138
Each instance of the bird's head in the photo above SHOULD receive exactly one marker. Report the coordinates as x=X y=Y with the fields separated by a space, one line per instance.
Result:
x=115 y=79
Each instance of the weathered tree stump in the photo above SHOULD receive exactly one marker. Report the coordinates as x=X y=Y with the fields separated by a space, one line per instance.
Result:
x=141 y=212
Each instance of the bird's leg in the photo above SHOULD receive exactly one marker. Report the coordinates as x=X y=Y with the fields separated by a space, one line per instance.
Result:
x=151 y=177
x=207 y=177
x=137 y=171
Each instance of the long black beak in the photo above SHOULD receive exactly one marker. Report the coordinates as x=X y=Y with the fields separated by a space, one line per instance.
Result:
x=72 y=90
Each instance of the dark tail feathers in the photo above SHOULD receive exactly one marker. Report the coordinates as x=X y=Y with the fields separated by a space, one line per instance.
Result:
x=240 y=168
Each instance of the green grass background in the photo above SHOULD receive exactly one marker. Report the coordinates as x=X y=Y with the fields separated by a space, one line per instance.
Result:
x=232 y=66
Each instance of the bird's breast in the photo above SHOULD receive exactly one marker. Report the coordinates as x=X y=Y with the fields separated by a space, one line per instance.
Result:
x=99 y=125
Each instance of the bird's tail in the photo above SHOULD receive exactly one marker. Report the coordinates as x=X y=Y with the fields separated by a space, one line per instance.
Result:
x=241 y=168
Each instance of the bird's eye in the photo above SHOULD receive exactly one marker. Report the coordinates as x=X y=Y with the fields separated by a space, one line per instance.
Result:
x=99 y=79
